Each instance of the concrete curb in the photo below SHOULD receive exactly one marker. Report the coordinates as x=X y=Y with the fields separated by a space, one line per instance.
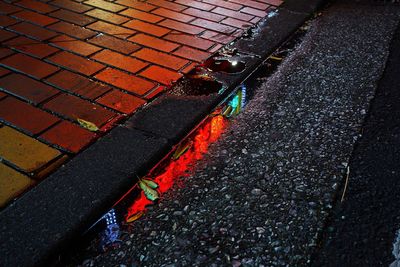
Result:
x=47 y=218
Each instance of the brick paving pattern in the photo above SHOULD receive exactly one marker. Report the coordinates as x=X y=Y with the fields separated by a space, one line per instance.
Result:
x=96 y=60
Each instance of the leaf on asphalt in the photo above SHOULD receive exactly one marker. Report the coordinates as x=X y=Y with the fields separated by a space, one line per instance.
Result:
x=204 y=77
x=181 y=150
x=150 y=193
x=150 y=183
x=88 y=125
x=134 y=217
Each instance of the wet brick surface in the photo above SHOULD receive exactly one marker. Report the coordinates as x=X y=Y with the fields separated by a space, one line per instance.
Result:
x=63 y=60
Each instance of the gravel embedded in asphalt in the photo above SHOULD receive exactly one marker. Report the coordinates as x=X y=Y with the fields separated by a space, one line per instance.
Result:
x=262 y=194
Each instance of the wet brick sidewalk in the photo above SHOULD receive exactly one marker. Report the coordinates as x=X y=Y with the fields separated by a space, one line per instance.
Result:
x=99 y=61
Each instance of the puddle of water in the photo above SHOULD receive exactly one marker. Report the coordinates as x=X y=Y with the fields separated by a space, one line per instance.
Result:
x=231 y=65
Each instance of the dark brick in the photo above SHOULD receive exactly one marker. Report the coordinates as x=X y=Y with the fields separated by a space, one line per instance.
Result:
x=27 y=88
x=232 y=13
x=29 y=65
x=31 y=47
x=6 y=21
x=69 y=136
x=72 y=17
x=5 y=52
x=35 y=18
x=136 y=5
x=33 y=31
x=71 y=5
x=236 y=23
x=167 y=4
x=7 y=8
x=116 y=44
x=5 y=35
x=78 y=84
x=76 y=63
x=105 y=5
x=111 y=29
x=75 y=107
x=36 y=6
x=25 y=116
x=141 y=15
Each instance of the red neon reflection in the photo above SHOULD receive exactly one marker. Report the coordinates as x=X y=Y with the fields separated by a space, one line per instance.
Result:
x=204 y=136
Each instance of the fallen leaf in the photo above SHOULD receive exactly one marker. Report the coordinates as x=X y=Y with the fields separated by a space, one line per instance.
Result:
x=150 y=193
x=181 y=150
x=150 y=183
x=88 y=125
x=134 y=217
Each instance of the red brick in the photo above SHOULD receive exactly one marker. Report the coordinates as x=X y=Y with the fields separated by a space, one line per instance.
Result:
x=233 y=14
x=192 y=54
x=251 y=3
x=113 y=43
x=189 y=40
x=107 y=16
x=146 y=28
x=195 y=4
x=223 y=3
x=33 y=31
x=27 y=88
x=74 y=45
x=255 y=20
x=183 y=27
x=125 y=81
x=122 y=102
x=2 y=94
x=141 y=15
x=236 y=23
x=35 y=18
x=213 y=26
x=29 y=65
x=111 y=29
x=167 y=4
x=153 y=42
x=215 y=48
x=217 y=37
x=31 y=47
x=77 y=108
x=204 y=14
x=78 y=84
x=5 y=52
x=5 y=35
x=72 y=17
x=36 y=6
x=137 y=5
x=7 y=8
x=25 y=116
x=157 y=91
x=160 y=58
x=105 y=5
x=3 y=72
x=253 y=11
x=161 y=75
x=120 y=61
x=173 y=15
x=72 y=30
x=188 y=68
x=76 y=63
x=275 y=2
x=6 y=21
x=71 y=5
x=68 y=136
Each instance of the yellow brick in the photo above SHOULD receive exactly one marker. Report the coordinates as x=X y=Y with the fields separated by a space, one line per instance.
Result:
x=24 y=151
x=12 y=183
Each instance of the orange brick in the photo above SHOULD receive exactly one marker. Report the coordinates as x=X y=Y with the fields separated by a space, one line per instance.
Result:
x=72 y=17
x=23 y=151
x=125 y=81
x=74 y=45
x=76 y=63
x=141 y=15
x=203 y=14
x=153 y=42
x=161 y=75
x=146 y=28
x=116 y=44
x=71 y=5
x=72 y=30
x=12 y=184
x=120 y=61
x=121 y=101
x=136 y=5
x=189 y=40
x=112 y=29
x=167 y=4
x=160 y=58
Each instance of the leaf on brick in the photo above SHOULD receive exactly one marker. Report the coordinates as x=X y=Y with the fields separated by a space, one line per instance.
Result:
x=88 y=125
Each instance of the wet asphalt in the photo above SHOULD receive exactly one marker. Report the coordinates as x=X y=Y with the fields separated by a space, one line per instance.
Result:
x=267 y=191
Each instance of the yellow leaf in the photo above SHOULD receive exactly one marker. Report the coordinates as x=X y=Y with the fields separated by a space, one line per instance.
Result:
x=150 y=193
x=88 y=125
x=134 y=217
x=150 y=183
x=181 y=150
